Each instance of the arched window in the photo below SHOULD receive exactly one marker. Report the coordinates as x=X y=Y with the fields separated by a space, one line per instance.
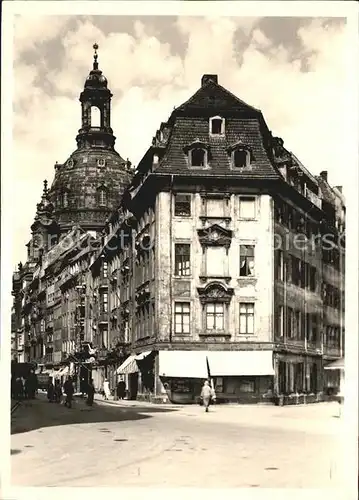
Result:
x=216 y=125
x=95 y=117
x=198 y=157
x=102 y=197
x=65 y=199
x=241 y=158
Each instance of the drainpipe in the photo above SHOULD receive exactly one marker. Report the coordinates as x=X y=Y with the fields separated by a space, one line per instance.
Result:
x=171 y=259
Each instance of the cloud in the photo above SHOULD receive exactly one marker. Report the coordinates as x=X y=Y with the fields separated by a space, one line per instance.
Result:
x=148 y=79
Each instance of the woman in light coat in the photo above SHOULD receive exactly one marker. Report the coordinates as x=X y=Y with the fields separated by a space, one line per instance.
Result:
x=106 y=389
x=207 y=394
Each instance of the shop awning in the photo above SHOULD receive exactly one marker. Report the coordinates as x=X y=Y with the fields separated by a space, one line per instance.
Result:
x=186 y=364
x=142 y=356
x=128 y=366
x=240 y=363
x=338 y=364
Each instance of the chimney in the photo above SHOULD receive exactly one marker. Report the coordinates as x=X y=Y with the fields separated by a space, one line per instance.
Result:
x=324 y=175
x=339 y=188
x=209 y=78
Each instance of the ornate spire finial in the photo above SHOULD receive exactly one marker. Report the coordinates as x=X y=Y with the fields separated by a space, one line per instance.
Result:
x=95 y=56
x=45 y=186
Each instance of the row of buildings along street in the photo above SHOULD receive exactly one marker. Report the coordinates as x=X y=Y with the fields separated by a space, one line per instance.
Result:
x=219 y=255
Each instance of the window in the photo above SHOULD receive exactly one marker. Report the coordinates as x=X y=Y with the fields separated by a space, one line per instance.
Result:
x=105 y=270
x=247 y=207
x=290 y=322
x=241 y=158
x=215 y=317
x=104 y=303
x=65 y=199
x=182 y=259
x=280 y=321
x=183 y=205
x=247 y=386
x=246 y=260
x=101 y=162
x=102 y=198
x=215 y=208
x=95 y=117
x=182 y=317
x=198 y=157
x=279 y=267
x=216 y=261
x=246 y=318
x=217 y=126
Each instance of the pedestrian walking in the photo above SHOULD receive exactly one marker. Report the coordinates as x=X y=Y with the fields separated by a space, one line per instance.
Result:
x=207 y=395
x=90 y=393
x=19 y=388
x=121 y=389
x=106 y=389
x=69 y=391
x=58 y=391
x=50 y=392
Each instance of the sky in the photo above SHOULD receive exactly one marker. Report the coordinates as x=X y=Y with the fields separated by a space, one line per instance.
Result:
x=293 y=69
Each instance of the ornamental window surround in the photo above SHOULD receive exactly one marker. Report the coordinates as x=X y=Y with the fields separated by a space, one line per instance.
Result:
x=216 y=126
x=197 y=154
x=241 y=155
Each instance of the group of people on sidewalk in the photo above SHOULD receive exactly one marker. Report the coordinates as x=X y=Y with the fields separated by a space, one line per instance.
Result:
x=55 y=392
x=24 y=387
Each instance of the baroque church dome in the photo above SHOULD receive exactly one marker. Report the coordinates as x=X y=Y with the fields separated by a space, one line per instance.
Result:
x=88 y=186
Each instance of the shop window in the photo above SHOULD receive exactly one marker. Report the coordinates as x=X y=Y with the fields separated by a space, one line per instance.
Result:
x=246 y=260
x=246 y=318
x=182 y=205
x=215 y=317
x=182 y=259
x=247 y=207
x=247 y=386
x=182 y=317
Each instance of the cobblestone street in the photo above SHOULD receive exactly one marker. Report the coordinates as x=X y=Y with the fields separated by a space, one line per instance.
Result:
x=133 y=444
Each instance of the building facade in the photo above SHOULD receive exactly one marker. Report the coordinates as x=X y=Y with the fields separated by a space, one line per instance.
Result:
x=223 y=259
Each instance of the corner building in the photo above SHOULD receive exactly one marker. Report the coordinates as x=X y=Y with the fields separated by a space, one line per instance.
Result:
x=212 y=280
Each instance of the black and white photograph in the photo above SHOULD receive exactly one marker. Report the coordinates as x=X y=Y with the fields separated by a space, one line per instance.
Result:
x=179 y=277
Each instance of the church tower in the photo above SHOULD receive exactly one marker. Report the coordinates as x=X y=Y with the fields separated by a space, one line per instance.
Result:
x=88 y=186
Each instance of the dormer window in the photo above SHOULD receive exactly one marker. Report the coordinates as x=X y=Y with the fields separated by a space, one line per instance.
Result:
x=197 y=153
x=241 y=158
x=241 y=155
x=70 y=163
x=216 y=126
x=101 y=162
x=198 y=157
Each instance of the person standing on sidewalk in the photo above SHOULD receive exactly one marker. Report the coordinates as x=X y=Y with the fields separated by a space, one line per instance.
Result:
x=90 y=393
x=69 y=391
x=106 y=389
x=207 y=394
x=58 y=391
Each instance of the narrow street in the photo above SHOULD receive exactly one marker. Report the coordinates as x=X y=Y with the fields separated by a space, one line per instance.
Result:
x=132 y=444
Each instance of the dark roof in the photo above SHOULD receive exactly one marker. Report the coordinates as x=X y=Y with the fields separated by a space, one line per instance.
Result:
x=187 y=129
x=212 y=96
